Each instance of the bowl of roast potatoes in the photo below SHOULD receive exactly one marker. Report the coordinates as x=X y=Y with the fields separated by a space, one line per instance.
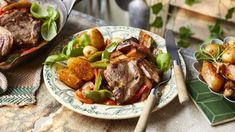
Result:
x=215 y=63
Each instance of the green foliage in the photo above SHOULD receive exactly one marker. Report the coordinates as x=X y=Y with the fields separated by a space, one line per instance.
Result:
x=84 y=40
x=158 y=22
x=191 y=2
x=185 y=33
x=163 y=61
x=48 y=30
x=215 y=30
x=49 y=15
x=72 y=49
x=230 y=12
x=156 y=8
x=183 y=43
x=37 y=11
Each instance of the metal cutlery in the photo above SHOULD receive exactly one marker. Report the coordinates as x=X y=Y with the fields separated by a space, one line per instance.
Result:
x=152 y=99
x=180 y=83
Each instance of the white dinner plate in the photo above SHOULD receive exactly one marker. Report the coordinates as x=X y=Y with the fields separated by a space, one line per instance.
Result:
x=65 y=95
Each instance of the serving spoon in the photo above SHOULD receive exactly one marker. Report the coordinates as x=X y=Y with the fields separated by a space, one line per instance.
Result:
x=152 y=99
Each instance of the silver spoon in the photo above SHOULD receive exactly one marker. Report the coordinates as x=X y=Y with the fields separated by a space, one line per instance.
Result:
x=153 y=97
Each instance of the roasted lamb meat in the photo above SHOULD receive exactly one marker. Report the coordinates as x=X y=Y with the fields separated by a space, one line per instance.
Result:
x=24 y=28
x=6 y=42
x=125 y=77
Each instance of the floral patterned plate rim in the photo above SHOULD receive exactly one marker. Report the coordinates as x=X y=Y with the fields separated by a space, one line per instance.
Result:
x=197 y=65
x=65 y=95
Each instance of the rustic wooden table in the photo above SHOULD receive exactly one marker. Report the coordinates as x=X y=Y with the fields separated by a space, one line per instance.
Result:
x=49 y=115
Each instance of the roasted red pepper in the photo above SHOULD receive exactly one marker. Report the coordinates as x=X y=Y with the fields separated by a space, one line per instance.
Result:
x=110 y=102
x=82 y=98
x=17 y=5
x=138 y=94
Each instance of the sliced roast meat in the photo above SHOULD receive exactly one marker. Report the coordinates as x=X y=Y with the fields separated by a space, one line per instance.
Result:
x=149 y=70
x=126 y=45
x=146 y=39
x=24 y=28
x=125 y=78
x=116 y=56
x=6 y=42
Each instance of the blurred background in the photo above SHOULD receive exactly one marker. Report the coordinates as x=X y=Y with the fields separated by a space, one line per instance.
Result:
x=197 y=20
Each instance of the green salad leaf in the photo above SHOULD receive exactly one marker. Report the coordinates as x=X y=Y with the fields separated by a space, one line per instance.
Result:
x=55 y=58
x=48 y=30
x=84 y=40
x=73 y=50
x=163 y=61
x=53 y=13
x=49 y=15
x=37 y=11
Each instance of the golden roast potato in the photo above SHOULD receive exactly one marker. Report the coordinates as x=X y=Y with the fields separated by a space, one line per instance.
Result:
x=214 y=80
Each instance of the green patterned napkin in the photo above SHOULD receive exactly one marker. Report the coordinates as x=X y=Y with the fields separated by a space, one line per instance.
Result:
x=215 y=108
x=22 y=83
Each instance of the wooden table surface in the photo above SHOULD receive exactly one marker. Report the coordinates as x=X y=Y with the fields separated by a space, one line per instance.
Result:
x=49 y=115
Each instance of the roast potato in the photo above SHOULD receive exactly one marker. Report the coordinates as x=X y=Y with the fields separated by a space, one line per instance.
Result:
x=212 y=49
x=69 y=78
x=214 y=80
x=229 y=72
x=228 y=88
x=97 y=39
x=229 y=55
x=81 y=67
x=89 y=50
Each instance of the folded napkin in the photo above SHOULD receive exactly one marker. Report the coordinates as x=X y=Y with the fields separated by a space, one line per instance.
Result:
x=216 y=109
x=22 y=83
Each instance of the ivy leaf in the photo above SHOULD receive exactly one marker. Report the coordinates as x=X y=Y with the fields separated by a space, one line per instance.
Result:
x=156 y=8
x=183 y=43
x=215 y=30
x=185 y=32
x=158 y=22
x=230 y=13
x=191 y=2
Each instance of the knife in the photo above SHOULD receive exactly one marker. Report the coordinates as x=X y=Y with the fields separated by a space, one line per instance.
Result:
x=180 y=83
